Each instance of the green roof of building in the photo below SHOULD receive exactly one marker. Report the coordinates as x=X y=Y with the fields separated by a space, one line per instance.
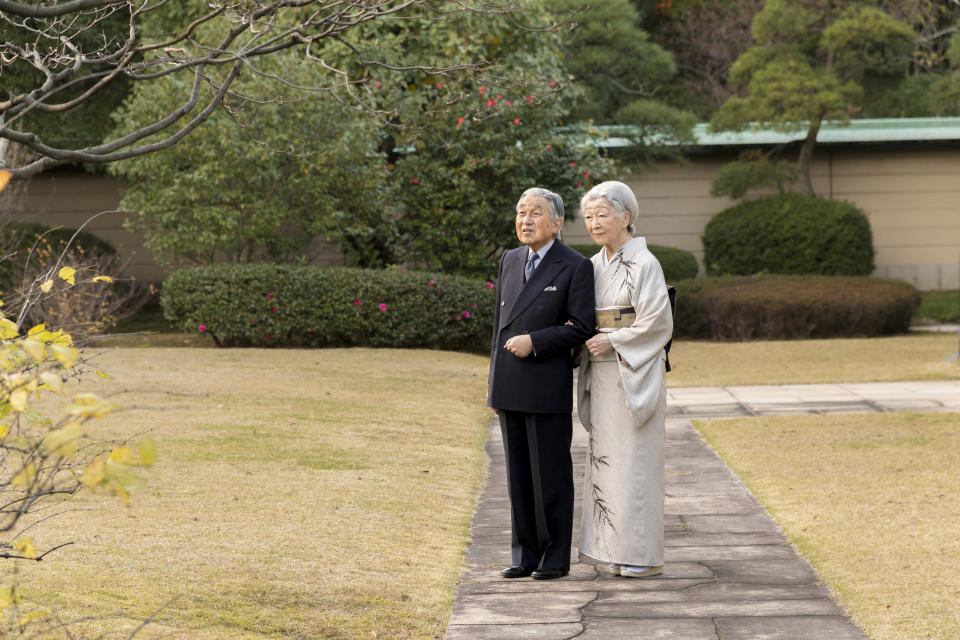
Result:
x=854 y=131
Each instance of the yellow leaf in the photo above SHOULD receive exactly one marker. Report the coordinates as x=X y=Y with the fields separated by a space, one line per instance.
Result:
x=34 y=330
x=18 y=400
x=122 y=455
x=104 y=375
x=8 y=329
x=35 y=349
x=68 y=273
x=63 y=442
x=46 y=286
x=4 y=178
x=25 y=477
x=102 y=279
x=94 y=473
x=148 y=451
x=9 y=596
x=26 y=548
x=65 y=355
x=4 y=429
x=89 y=405
x=51 y=381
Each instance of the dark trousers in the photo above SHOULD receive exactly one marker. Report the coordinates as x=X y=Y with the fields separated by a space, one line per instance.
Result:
x=540 y=483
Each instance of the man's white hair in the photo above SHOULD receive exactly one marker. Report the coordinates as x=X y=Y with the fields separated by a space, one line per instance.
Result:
x=554 y=202
x=620 y=197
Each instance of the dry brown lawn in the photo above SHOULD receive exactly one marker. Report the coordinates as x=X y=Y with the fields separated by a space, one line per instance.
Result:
x=299 y=494
x=909 y=357
x=873 y=501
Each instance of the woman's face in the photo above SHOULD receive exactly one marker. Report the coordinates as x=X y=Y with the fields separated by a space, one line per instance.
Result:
x=603 y=223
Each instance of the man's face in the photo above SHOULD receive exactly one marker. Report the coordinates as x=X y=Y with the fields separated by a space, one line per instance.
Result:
x=535 y=227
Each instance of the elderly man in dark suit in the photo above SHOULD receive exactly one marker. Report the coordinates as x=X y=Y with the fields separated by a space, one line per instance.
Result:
x=545 y=307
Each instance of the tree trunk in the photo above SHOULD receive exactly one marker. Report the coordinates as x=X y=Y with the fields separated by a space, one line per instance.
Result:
x=806 y=153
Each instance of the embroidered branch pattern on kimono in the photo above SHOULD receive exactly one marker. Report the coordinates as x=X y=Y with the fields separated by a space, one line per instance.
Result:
x=602 y=513
x=624 y=272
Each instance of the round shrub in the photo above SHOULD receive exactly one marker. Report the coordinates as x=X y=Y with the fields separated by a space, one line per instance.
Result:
x=677 y=264
x=789 y=233
x=278 y=305
x=790 y=307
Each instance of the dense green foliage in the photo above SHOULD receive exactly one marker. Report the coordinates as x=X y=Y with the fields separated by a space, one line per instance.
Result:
x=791 y=307
x=677 y=264
x=277 y=305
x=810 y=62
x=789 y=234
x=259 y=180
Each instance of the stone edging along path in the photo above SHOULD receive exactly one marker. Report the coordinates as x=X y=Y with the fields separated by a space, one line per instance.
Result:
x=729 y=572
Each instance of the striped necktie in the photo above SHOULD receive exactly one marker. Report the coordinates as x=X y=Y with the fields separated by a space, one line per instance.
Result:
x=531 y=266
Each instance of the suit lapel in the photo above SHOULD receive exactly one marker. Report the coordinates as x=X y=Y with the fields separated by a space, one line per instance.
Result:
x=543 y=275
x=512 y=281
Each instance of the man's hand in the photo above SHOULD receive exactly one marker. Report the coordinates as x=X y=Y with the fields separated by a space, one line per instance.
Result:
x=599 y=344
x=520 y=346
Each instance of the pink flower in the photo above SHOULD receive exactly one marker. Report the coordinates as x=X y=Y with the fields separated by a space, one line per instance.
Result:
x=274 y=310
x=579 y=184
x=552 y=83
x=254 y=321
x=378 y=84
x=431 y=283
x=516 y=121
x=529 y=98
x=356 y=303
x=269 y=297
x=499 y=97
x=509 y=103
x=573 y=164
x=458 y=318
x=481 y=90
x=473 y=306
x=489 y=285
x=383 y=306
x=549 y=147
x=202 y=328
x=466 y=314
x=269 y=336
x=416 y=181
x=459 y=121
x=439 y=85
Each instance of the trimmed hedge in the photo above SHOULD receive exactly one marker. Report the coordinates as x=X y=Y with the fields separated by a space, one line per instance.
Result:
x=790 y=233
x=791 y=307
x=677 y=264
x=284 y=306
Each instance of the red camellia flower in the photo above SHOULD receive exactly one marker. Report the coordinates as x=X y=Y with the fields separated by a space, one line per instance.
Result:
x=572 y=163
x=466 y=314
x=431 y=283
x=491 y=103
x=269 y=336
x=416 y=181
x=274 y=310
x=529 y=98
x=473 y=306
x=489 y=285
x=202 y=328
x=579 y=184
x=269 y=297
x=516 y=121
x=378 y=84
x=552 y=83
x=481 y=90
x=439 y=85
x=356 y=303
x=509 y=103
x=459 y=121
x=383 y=306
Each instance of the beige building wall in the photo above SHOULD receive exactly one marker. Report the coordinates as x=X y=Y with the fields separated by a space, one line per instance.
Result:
x=911 y=196
x=71 y=197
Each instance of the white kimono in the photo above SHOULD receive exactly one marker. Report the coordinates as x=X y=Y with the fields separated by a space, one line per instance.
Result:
x=622 y=402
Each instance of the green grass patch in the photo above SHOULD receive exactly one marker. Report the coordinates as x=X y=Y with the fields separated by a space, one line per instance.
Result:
x=872 y=500
x=938 y=306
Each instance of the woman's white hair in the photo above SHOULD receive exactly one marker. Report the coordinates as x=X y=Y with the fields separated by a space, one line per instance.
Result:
x=554 y=202
x=620 y=197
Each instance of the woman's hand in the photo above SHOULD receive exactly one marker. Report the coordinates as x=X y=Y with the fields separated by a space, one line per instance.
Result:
x=599 y=344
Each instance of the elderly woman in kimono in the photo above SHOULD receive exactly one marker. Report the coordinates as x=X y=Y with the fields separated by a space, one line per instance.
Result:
x=621 y=392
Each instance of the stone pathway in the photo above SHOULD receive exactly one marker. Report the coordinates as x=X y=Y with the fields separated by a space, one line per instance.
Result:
x=729 y=572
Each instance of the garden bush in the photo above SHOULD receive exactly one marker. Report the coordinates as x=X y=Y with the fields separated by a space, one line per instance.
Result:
x=677 y=264
x=278 y=305
x=790 y=307
x=789 y=233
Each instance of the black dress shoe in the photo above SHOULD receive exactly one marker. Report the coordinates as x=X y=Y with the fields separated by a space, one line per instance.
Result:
x=516 y=572
x=548 y=574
